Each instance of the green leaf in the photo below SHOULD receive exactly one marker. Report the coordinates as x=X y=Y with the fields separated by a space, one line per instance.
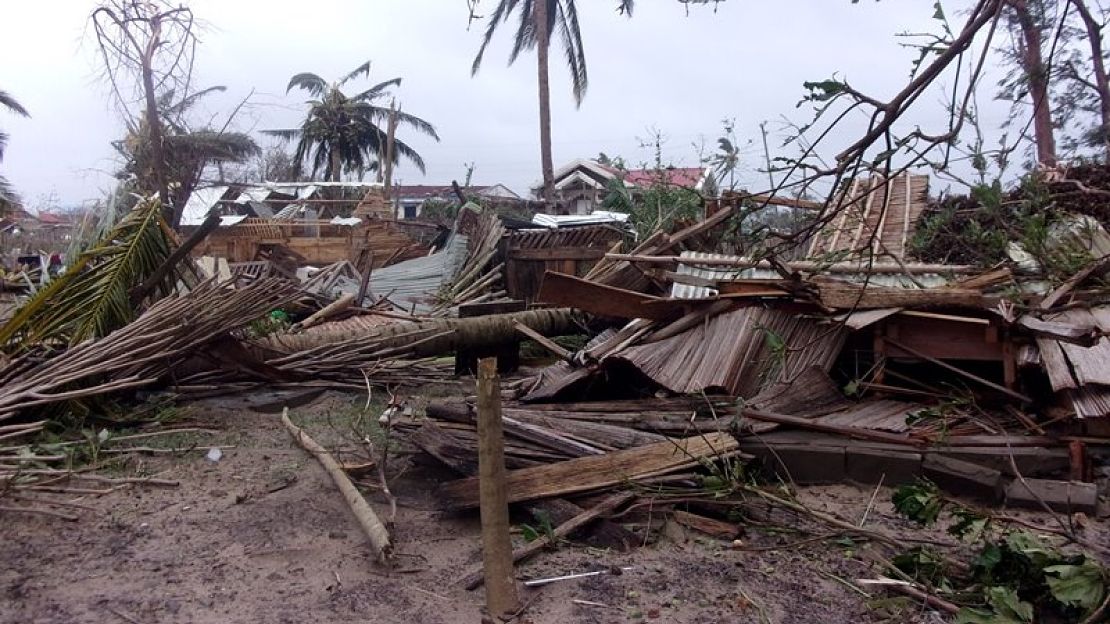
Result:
x=529 y=533
x=1082 y=585
x=1007 y=604
x=919 y=502
x=987 y=560
x=969 y=525
x=979 y=616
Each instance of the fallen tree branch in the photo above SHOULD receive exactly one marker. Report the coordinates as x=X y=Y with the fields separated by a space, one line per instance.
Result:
x=367 y=519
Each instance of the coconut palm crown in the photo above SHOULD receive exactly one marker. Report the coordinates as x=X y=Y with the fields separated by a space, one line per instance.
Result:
x=347 y=132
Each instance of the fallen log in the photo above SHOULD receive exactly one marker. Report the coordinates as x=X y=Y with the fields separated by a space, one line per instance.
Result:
x=450 y=334
x=367 y=519
x=473 y=579
x=596 y=471
x=328 y=311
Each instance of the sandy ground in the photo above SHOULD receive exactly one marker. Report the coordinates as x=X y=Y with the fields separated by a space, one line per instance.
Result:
x=263 y=536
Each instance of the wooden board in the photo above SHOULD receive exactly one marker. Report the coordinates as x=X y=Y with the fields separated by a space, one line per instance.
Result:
x=567 y=290
x=594 y=472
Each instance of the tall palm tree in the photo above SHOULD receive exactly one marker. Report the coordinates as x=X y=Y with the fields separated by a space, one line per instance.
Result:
x=560 y=14
x=7 y=193
x=342 y=131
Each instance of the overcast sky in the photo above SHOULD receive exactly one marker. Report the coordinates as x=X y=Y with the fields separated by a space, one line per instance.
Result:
x=659 y=70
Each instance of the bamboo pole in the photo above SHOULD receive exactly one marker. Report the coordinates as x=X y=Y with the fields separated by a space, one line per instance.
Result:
x=367 y=519
x=497 y=549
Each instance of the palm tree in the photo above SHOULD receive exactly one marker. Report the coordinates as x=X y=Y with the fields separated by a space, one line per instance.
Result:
x=7 y=194
x=561 y=14
x=188 y=151
x=342 y=131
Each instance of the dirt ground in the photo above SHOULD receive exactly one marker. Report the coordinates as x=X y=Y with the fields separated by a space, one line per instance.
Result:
x=262 y=535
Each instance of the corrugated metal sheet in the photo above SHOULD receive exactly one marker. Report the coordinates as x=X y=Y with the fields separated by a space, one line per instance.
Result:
x=412 y=284
x=739 y=352
x=598 y=216
x=200 y=203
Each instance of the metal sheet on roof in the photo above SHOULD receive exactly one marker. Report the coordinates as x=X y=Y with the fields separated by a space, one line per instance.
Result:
x=413 y=284
x=200 y=203
x=596 y=217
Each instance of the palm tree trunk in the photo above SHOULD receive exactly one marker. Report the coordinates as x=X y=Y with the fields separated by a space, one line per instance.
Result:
x=1037 y=74
x=334 y=166
x=542 y=46
x=1102 y=82
x=455 y=333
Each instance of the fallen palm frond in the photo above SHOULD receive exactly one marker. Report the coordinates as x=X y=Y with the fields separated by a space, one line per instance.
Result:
x=92 y=298
x=476 y=278
x=141 y=352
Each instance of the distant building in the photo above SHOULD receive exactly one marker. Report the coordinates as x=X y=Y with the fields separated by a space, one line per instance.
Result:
x=408 y=200
x=581 y=185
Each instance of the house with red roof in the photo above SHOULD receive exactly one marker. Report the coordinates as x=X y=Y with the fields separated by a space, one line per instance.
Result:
x=581 y=185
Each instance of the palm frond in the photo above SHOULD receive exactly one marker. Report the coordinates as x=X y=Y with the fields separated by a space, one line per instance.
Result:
x=400 y=148
x=363 y=69
x=500 y=13
x=13 y=105
x=376 y=90
x=625 y=7
x=525 y=38
x=308 y=81
x=8 y=197
x=3 y=143
x=92 y=298
x=289 y=134
x=572 y=48
x=208 y=145
x=417 y=124
x=190 y=101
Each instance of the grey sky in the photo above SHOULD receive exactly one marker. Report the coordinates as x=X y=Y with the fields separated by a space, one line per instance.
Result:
x=661 y=69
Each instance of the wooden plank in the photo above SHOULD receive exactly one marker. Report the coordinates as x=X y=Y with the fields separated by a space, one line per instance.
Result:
x=497 y=549
x=856 y=296
x=959 y=371
x=709 y=526
x=595 y=472
x=851 y=432
x=572 y=253
x=473 y=579
x=567 y=290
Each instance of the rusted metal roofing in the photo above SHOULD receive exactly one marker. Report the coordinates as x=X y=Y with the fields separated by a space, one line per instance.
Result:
x=876 y=215
x=738 y=352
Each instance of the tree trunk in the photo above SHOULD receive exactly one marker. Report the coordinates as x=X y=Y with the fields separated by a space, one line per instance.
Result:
x=390 y=139
x=542 y=46
x=1033 y=64
x=466 y=333
x=334 y=166
x=172 y=214
x=1102 y=82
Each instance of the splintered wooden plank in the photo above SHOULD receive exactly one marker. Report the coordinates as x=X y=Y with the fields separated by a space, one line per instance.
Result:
x=599 y=299
x=847 y=296
x=595 y=472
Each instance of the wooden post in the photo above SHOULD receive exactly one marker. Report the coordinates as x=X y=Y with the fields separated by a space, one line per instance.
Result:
x=497 y=549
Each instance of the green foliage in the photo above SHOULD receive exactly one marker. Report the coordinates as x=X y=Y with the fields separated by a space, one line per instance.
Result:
x=545 y=528
x=978 y=229
x=660 y=206
x=919 y=502
x=93 y=297
x=1017 y=577
x=348 y=131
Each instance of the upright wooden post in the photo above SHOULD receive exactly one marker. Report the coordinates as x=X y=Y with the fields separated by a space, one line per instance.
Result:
x=497 y=549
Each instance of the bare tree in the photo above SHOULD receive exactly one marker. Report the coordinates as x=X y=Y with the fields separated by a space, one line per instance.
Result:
x=148 y=47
